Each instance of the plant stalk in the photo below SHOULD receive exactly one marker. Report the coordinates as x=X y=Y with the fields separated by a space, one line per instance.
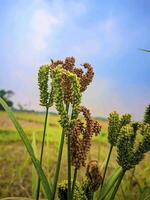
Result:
x=74 y=181
x=106 y=166
x=41 y=155
x=117 y=185
x=91 y=196
x=69 y=168
x=59 y=160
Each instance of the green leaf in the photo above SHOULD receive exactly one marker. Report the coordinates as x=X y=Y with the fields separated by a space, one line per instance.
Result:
x=109 y=184
x=29 y=148
x=147 y=198
x=34 y=174
x=146 y=50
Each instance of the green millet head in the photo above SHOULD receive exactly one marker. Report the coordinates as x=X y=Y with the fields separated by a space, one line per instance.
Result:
x=125 y=119
x=147 y=115
x=136 y=126
x=145 y=144
x=115 y=124
x=59 y=100
x=75 y=96
x=125 y=147
x=43 y=82
x=68 y=82
x=59 y=96
x=113 y=128
x=130 y=153
x=78 y=192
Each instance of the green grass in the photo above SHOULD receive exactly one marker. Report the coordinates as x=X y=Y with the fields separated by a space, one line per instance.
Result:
x=33 y=123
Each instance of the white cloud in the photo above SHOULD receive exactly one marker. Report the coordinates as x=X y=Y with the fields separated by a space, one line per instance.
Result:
x=109 y=26
x=42 y=26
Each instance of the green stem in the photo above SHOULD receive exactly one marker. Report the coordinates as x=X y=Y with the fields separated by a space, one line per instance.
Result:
x=117 y=185
x=59 y=160
x=92 y=196
x=69 y=168
x=74 y=181
x=41 y=155
x=106 y=166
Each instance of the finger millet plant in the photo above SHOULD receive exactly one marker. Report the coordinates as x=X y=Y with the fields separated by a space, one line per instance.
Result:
x=61 y=84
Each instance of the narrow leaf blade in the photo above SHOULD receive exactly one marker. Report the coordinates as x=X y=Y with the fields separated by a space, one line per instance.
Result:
x=34 y=174
x=146 y=50
x=29 y=148
x=109 y=184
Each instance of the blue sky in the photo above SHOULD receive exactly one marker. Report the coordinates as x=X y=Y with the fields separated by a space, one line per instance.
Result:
x=107 y=34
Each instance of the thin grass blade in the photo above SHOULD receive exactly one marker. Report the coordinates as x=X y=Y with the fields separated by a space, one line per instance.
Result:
x=29 y=148
x=148 y=197
x=109 y=184
x=146 y=50
x=34 y=174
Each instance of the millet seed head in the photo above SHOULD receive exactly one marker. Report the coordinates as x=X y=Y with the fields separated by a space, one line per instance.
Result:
x=130 y=153
x=81 y=136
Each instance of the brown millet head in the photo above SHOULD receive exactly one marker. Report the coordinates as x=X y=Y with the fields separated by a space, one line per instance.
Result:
x=69 y=64
x=93 y=174
x=81 y=137
x=93 y=126
x=88 y=77
x=76 y=145
x=96 y=127
x=54 y=64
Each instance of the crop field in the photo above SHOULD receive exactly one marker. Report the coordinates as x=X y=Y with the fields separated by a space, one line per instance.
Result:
x=17 y=173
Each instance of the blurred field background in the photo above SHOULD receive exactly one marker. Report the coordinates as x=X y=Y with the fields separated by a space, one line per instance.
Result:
x=16 y=172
